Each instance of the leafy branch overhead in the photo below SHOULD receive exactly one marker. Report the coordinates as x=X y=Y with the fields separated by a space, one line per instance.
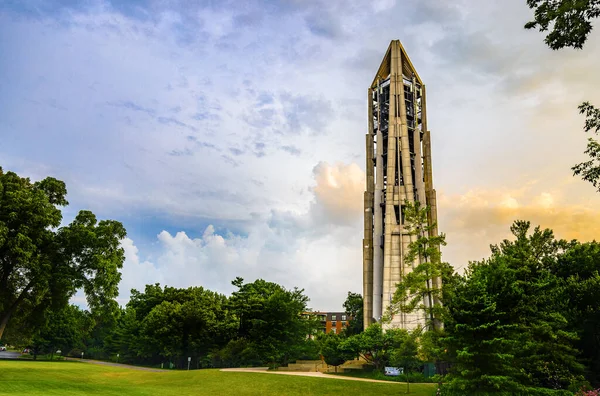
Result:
x=569 y=21
x=590 y=170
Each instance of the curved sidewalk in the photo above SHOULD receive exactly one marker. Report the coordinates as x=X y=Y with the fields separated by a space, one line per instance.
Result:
x=265 y=370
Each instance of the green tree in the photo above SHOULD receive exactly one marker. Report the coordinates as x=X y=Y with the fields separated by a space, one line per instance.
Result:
x=509 y=331
x=374 y=345
x=173 y=324
x=579 y=269
x=64 y=330
x=332 y=350
x=43 y=265
x=570 y=22
x=353 y=307
x=590 y=170
x=406 y=353
x=270 y=319
x=419 y=288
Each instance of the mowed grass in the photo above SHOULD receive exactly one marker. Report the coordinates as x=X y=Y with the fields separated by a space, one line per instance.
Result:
x=74 y=378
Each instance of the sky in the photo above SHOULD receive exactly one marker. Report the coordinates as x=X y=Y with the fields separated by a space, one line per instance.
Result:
x=229 y=136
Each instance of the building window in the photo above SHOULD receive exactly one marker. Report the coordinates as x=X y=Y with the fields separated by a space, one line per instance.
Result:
x=343 y=324
x=343 y=317
x=333 y=317
x=333 y=324
x=334 y=330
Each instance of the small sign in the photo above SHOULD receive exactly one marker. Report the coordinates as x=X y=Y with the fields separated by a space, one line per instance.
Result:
x=189 y=359
x=394 y=371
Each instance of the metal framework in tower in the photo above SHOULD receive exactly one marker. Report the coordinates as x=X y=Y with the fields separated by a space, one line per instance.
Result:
x=398 y=169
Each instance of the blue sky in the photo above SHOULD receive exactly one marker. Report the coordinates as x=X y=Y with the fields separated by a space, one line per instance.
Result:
x=228 y=137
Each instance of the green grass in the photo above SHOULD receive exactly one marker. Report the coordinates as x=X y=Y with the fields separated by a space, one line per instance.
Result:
x=74 y=378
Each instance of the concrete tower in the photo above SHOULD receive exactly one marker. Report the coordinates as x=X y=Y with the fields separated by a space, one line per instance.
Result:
x=398 y=169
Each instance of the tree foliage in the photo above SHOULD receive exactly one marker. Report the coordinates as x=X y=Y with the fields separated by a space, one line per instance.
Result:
x=590 y=170
x=42 y=264
x=419 y=288
x=270 y=319
x=353 y=306
x=375 y=345
x=510 y=329
x=569 y=21
x=64 y=330
x=332 y=348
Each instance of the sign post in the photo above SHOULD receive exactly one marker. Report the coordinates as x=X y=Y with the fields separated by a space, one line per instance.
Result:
x=189 y=360
x=82 y=355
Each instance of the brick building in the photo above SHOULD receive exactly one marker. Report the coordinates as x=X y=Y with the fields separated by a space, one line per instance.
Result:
x=330 y=321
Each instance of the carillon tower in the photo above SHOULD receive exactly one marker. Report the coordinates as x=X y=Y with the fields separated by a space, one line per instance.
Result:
x=398 y=169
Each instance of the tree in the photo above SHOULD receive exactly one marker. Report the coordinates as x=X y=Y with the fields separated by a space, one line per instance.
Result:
x=579 y=269
x=508 y=329
x=405 y=354
x=64 y=330
x=353 y=307
x=43 y=265
x=331 y=348
x=419 y=289
x=270 y=319
x=571 y=23
x=172 y=324
x=590 y=170
x=374 y=345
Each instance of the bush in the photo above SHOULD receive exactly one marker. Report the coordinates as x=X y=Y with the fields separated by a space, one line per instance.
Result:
x=449 y=390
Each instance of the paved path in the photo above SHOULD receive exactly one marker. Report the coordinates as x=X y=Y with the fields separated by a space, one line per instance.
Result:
x=265 y=370
x=111 y=364
x=9 y=355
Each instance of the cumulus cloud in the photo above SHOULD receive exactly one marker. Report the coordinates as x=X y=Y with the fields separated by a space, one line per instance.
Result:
x=338 y=193
x=306 y=250
x=215 y=114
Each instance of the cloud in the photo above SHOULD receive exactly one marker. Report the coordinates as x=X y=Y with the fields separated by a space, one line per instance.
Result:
x=306 y=250
x=477 y=218
x=138 y=106
x=338 y=193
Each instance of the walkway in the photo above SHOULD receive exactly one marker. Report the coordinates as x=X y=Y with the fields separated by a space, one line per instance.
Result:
x=265 y=370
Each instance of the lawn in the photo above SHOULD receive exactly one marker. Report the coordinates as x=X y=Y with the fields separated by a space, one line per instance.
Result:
x=74 y=378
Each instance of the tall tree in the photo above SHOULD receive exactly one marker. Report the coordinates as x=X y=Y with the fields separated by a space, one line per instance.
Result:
x=570 y=22
x=419 y=288
x=509 y=328
x=353 y=307
x=41 y=264
x=579 y=269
